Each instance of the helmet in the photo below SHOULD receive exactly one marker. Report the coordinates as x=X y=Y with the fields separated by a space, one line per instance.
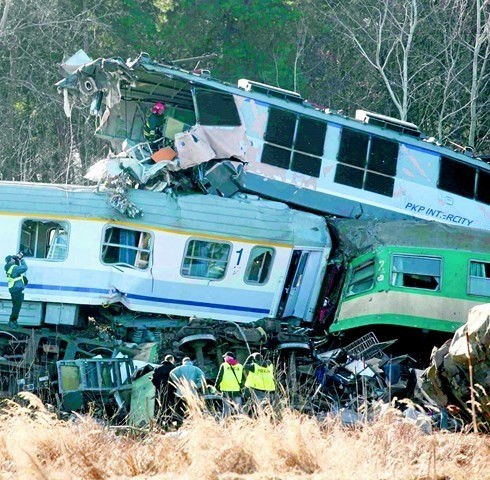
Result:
x=158 y=108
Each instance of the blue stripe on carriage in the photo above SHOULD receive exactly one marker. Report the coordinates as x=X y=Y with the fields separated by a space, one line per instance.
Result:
x=174 y=301
x=199 y=304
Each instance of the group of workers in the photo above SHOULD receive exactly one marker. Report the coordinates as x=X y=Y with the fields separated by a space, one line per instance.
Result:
x=176 y=385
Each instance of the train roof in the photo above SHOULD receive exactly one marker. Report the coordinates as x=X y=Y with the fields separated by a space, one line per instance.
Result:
x=360 y=236
x=248 y=218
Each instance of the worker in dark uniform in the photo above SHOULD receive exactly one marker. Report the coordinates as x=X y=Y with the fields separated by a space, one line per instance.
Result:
x=189 y=381
x=15 y=268
x=260 y=380
x=229 y=382
x=165 y=391
x=152 y=129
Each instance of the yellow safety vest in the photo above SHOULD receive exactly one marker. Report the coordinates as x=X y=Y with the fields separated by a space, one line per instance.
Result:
x=232 y=377
x=261 y=378
x=11 y=281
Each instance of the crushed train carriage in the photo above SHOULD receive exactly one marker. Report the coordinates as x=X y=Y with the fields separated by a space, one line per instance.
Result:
x=407 y=279
x=296 y=152
x=225 y=261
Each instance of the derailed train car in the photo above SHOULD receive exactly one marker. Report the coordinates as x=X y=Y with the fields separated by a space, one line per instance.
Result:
x=238 y=259
x=411 y=280
x=244 y=266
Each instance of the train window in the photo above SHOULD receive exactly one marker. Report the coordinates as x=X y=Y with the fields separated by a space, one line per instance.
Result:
x=383 y=155
x=379 y=184
x=361 y=279
x=367 y=162
x=353 y=177
x=280 y=127
x=353 y=148
x=130 y=248
x=288 y=135
x=306 y=164
x=279 y=157
x=215 y=108
x=259 y=265
x=310 y=136
x=456 y=177
x=204 y=259
x=416 y=272
x=482 y=190
x=479 y=278
x=44 y=239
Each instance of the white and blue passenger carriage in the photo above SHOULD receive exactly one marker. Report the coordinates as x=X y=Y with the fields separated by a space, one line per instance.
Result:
x=197 y=255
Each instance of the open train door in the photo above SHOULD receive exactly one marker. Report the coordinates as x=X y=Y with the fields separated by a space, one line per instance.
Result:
x=297 y=295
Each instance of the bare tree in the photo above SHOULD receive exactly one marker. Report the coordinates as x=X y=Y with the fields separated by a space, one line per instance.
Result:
x=383 y=32
x=459 y=48
x=480 y=49
x=36 y=140
x=5 y=13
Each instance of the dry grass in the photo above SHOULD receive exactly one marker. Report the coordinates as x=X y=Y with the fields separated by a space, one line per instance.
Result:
x=34 y=444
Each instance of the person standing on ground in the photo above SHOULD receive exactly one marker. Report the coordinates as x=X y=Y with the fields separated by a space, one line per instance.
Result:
x=165 y=391
x=229 y=382
x=260 y=378
x=15 y=268
x=188 y=381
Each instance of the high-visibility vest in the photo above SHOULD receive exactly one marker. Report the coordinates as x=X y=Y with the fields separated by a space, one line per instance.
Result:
x=232 y=377
x=11 y=280
x=261 y=378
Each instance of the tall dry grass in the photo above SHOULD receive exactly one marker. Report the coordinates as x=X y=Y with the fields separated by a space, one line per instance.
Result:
x=34 y=444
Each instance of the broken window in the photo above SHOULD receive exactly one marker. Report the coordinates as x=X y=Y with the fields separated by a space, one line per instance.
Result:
x=456 y=177
x=294 y=142
x=216 y=108
x=361 y=279
x=479 y=278
x=44 y=239
x=367 y=162
x=259 y=265
x=416 y=272
x=204 y=259
x=130 y=248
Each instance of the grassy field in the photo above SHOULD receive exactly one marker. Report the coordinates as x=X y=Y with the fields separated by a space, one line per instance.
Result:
x=35 y=444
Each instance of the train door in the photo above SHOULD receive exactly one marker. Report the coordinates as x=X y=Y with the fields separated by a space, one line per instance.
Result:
x=300 y=280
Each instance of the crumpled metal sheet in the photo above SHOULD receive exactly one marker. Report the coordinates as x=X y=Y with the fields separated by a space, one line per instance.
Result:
x=357 y=236
x=121 y=202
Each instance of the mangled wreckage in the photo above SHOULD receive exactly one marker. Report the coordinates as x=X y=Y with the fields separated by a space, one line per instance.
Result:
x=146 y=264
x=173 y=128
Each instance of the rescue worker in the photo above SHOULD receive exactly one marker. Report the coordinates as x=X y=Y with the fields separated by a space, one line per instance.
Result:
x=260 y=379
x=152 y=129
x=165 y=391
x=229 y=382
x=15 y=268
x=188 y=381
